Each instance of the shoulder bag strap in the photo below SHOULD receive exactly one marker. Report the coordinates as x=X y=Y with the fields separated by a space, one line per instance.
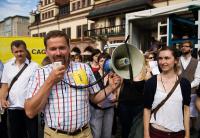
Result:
x=16 y=78
x=155 y=110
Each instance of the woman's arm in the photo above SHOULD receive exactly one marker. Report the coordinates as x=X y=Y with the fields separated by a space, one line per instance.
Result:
x=146 y=118
x=186 y=121
x=198 y=103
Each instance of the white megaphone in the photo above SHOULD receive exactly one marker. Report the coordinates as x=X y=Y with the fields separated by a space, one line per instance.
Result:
x=120 y=61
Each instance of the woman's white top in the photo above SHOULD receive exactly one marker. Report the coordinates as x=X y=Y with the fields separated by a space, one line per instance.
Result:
x=170 y=115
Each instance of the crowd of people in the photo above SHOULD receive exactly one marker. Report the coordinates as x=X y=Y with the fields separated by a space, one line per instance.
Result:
x=80 y=100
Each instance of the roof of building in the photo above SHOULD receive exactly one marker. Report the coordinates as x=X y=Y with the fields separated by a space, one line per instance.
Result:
x=120 y=7
x=11 y=17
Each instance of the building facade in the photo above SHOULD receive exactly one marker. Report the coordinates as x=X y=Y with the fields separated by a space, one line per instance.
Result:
x=14 y=26
x=66 y=15
x=90 y=23
x=109 y=18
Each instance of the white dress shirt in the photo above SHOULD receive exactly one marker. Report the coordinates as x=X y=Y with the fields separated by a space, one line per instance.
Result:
x=17 y=93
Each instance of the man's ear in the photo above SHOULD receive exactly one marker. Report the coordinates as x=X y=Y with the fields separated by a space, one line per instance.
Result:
x=46 y=52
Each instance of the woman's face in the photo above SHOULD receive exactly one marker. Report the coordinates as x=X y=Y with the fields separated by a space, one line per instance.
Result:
x=166 y=60
x=95 y=57
x=150 y=58
x=101 y=62
x=77 y=59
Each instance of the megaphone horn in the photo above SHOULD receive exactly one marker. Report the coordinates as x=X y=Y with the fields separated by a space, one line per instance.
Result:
x=120 y=61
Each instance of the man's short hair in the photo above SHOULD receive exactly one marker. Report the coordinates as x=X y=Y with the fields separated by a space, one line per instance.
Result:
x=189 y=42
x=55 y=33
x=18 y=43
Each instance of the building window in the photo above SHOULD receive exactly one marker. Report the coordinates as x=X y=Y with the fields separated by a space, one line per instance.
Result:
x=46 y=15
x=49 y=1
x=78 y=5
x=69 y=32
x=111 y=21
x=83 y=3
x=92 y=26
x=123 y=21
x=88 y=2
x=64 y=10
x=78 y=31
x=52 y=13
x=92 y=29
x=64 y=30
x=49 y=14
x=41 y=3
x=37 y=17
x=73 y=6
x=85 y=30
x=45 y=2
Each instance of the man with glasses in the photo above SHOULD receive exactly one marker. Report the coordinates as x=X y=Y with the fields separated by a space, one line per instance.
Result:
x=190 y=68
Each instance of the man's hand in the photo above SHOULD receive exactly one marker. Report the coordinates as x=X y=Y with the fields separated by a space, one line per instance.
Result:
x=114 y=80
x=4 y=103
x=3 y=94
x=57 y=74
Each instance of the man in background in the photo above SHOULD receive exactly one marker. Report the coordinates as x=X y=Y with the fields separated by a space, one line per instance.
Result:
x=190 y=70
x=13 y=92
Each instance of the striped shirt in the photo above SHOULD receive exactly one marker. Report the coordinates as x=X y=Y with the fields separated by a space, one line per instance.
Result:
x=67 y=108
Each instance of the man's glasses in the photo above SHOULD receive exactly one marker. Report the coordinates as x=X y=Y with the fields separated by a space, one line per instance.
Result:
x=184 y=46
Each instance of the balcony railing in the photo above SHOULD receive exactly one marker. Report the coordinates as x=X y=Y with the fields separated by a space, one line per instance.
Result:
x=109 y=31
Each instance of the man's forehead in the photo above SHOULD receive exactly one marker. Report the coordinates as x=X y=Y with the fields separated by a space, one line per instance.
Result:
x=56 y=40
x=18 y=47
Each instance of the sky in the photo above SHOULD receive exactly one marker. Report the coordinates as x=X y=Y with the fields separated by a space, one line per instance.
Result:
x=16 y=7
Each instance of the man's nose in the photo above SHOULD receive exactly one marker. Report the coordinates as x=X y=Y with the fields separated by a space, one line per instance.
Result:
x=18 y=53
x=58 y=51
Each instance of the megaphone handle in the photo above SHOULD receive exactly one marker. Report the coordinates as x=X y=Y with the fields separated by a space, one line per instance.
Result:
x=127 y=39
x=130 y=66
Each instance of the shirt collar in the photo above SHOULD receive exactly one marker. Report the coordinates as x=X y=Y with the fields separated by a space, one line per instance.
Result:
x=184 y=59
x=13 y=60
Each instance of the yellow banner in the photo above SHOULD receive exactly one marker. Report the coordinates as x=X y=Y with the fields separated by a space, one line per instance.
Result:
x=35 y=46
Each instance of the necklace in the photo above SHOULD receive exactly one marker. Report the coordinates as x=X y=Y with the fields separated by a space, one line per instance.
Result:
x=163 y=83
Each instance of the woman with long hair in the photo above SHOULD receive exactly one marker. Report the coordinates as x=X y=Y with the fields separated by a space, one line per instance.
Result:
x=173 y=117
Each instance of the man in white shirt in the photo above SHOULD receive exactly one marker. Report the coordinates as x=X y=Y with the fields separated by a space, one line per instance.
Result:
x=13 y=97
x=3 y=125
x=1 y=70
x=190 y=70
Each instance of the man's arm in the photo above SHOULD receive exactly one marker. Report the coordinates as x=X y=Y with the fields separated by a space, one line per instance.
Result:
x=196 y=80
x=187 y=121
x=198 y=103
x=146 y=118
x=3 y=95
x=36 y=103
x=114 y=83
